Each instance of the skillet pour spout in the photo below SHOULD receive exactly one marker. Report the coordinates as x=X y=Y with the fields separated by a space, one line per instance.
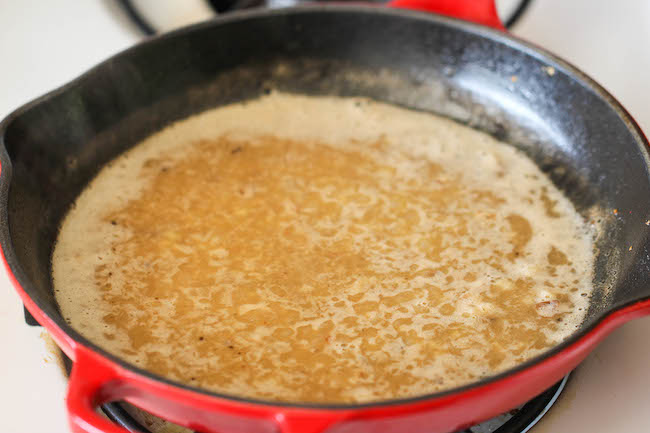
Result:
x=570 y=126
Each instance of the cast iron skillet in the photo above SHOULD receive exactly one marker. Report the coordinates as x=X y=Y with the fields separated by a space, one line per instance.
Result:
x=577 y=133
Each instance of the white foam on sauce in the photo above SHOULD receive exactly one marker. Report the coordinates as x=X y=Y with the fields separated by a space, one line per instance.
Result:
x=323 y=249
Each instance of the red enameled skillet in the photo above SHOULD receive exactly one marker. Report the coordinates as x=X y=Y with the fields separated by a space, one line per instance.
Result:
x=575 y=131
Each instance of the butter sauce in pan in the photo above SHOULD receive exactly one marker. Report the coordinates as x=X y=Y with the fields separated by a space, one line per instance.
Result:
x=313 y=249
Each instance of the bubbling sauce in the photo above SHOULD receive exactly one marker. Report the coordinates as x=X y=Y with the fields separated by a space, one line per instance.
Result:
x=316 y=249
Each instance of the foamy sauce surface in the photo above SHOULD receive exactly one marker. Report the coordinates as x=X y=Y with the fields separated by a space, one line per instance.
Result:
x=317 y=249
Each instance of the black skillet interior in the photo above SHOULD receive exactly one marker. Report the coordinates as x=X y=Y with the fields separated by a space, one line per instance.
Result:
x=571 y=127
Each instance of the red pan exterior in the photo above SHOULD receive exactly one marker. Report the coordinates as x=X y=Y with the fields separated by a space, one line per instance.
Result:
x=96 y=379
x=482 y=12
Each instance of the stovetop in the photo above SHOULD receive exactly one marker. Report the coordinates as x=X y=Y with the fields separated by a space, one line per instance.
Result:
x=45 y=44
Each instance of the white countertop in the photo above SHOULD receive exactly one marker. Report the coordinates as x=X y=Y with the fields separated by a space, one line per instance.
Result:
x=45 y=44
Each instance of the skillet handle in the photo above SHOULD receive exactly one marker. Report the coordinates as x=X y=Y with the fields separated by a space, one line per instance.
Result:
x=91 y=383
x=478 y=11
x=94 y=381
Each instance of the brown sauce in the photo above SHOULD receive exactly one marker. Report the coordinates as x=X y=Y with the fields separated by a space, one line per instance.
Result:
x=320 y=268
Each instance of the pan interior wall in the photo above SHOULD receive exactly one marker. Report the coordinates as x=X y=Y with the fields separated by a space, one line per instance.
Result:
x=474 y=76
